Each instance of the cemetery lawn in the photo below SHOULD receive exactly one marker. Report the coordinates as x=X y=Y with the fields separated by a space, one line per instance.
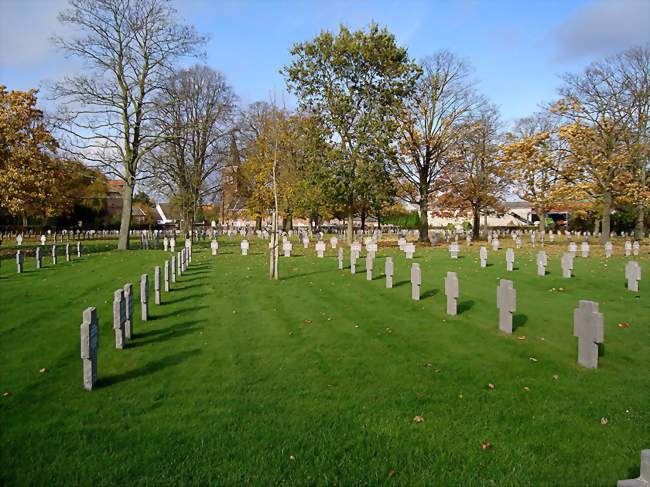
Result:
x=316 y=379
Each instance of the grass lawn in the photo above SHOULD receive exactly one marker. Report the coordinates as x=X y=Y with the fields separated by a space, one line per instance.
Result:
x=316 y=379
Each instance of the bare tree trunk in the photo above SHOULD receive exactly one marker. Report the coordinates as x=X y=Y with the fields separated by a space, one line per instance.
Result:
x=485 y=225
x=350 y=220
x=476 y=225
x=607 y=210
x=639 y=230
x=363 y=218
x=125 y=224
x=424 y=218
x=542 y=219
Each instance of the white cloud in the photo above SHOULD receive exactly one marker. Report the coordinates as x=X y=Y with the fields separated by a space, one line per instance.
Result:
x=603 y=27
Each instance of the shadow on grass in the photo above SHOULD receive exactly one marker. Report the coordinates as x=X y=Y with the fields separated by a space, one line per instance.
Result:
x=519 y=320
x=400 y=283
x=465 y=306
x=150 y=368
x=176 y=313
x=293 y=276
x=183 y=288
x=164 y=334
x=186 y=298
x=430 y=293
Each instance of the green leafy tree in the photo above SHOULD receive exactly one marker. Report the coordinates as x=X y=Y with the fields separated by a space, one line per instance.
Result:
x=355 y=83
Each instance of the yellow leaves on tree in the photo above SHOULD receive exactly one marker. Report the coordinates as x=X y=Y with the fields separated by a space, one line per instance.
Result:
x=533 y=166
x=29 y=173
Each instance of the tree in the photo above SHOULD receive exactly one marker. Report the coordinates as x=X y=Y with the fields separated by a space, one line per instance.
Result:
x=534 y=163
x=195 y=118
x=30 y=174
x=631 y=69
x=128 y=48
x=354 y=82
x=441 y=101
x=476 y=176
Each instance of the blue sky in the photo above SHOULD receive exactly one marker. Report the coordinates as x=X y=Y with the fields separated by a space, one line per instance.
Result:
x=517 y=48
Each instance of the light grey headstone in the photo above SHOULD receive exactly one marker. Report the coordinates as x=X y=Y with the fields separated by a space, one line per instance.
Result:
x=214 y=247
x=39 y=257
x=54 y=254
x=643 y=480
x=119 y=318
x=633 y=275
x=369 y=266
x=507 y=304
x=588 y=326
x=608 y=249
x=172 y=266
x=156 y=284
x=573 y=248
x=144 y=296
x=628 y=248
x=128 y=310
x=409 y=249
x=20 y=261
x=43 y=239
x=334 y=242
x=567 y=264
x=166 y=276
x=19 y=239
x=172 y=244
x=510 y=259
x=483 y=255
x=388 y=270
x=495 y=244
x=340 y=258
x=584 y=249
x=635 y=248
x=320 y=248
x=165 y=243
x=452 y=293
x=416 y=281
x=179 y=264
x=542 y=262
x=454 y=250
x=353 y=262
x=287 y=247
x=89 y=334
x=305 y=242
x=78 y=249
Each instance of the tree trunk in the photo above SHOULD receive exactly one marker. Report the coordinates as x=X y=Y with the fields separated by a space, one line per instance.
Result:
x=639 y=230
x=258 y=223
x=24 y=218
x=542 y=219
x=363 y=218
x=125 y=224
x=485 y=225
x=350 y=220
x=596 y=225
x=476 y=226
x=607 y=210
x=424 y=218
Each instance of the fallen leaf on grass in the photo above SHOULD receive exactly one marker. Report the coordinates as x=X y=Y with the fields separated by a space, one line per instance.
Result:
x=418 y=419
x=556 y=377
x=6 y=394
x=391 y=473
x=533 y=359
x=428 y=364
x=307 y=322
x=460 y=396
x=623 y=325
x=292 y=458
x=604 y=421
x=486 y=445
x=527 y=389
x=522 y=337
x=43 y=370
x=491 y=386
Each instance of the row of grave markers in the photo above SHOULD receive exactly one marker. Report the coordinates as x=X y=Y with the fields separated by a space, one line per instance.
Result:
x=588 y=322
x=123 y=310
x=38 y=255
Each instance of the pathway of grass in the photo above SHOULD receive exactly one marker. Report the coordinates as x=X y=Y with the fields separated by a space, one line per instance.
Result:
x=316 y=379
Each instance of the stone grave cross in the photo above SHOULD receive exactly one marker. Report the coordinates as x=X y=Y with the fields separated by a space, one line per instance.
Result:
x=588 y=326
x=89 y=331
x=507 y=304
x=633 y=275
x=388 y=270
x=483 y=255
x=451 y=291
x=416 y=281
